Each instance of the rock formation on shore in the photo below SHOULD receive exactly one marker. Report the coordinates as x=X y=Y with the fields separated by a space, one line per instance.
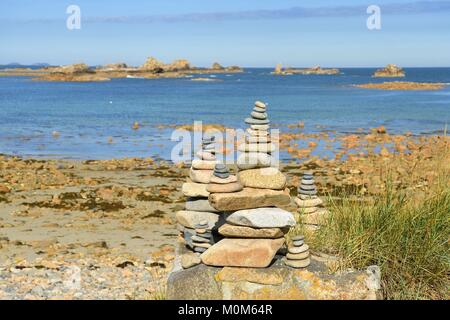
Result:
x=151 y=69
x=391 y=71
x=402 y=85
x=279 y=70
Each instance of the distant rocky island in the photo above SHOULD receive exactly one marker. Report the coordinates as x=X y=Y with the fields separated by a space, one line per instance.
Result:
x=402 y=85
x=390 y=71
x=279 y=70
x=151 y=69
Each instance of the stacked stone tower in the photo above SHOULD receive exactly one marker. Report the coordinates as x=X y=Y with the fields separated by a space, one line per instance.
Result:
x=254 y=224
x=196 y=222
x=309 y=204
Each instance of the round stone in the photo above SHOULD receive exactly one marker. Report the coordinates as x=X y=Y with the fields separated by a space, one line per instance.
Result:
x=298 y=243
x=199 y=239
x=306 y=197
x=298 y=263
x=298 y=256
x=201 y=245
x=297 y=238
x=206 y=155
x=256 y=121
x=220 y=180
x=208 y=147
x=200 y=249
x=206 y=235
x=221 y=175
x=307 y=182
x=220 y=166
x=260 y=104
x=307 y=192
x=258 y=115
x=259 y=109
x=296 y=250
x=307 y=187
x=250 y=160
x=261 y=127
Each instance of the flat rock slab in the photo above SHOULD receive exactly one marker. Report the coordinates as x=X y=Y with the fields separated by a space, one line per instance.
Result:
x=199 y=205
x=264 y=178
x=250 y=198
x=308 y=202
x=253 y=253
x=262 y=218
x=190 y=219
x=277 y=282
x=192 y=189
x=233 y=231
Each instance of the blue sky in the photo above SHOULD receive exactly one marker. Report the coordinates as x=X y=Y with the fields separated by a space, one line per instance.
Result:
x=248 y=33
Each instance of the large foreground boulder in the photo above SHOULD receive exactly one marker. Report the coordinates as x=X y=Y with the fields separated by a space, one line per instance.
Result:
x=277 y=282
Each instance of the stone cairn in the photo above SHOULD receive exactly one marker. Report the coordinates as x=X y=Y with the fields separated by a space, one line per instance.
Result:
x=254 y=226
x=309 y=204
x=298 y=253
x=197 y=221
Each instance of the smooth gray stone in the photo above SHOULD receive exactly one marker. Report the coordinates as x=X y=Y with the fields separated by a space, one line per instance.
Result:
x=209 y=147
x=206 y=235
x=308 y=187
x=187 y=239
x=258 y=115
x=298 y=238
x=256 y=121
x=201 y=225
x=199 y=204
x=199 y=239
x=221 y=170
x=307 y=182
x=220 y=166
x=308 y=192
x=298 y=243
x=199 y=249
x=222 y=175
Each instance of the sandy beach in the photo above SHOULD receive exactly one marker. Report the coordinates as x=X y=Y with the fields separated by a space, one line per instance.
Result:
x=106 y=229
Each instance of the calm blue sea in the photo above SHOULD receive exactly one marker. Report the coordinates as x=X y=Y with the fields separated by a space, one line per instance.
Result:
x=86 y=114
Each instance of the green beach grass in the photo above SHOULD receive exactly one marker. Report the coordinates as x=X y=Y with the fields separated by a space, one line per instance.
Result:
x=408 y=238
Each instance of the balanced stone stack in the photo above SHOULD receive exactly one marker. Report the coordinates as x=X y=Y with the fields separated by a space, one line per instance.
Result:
x=257 y=148
x=298 y=253
x=255 y=231
x=199 y=214
x=309 y=204
x=222 y=182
